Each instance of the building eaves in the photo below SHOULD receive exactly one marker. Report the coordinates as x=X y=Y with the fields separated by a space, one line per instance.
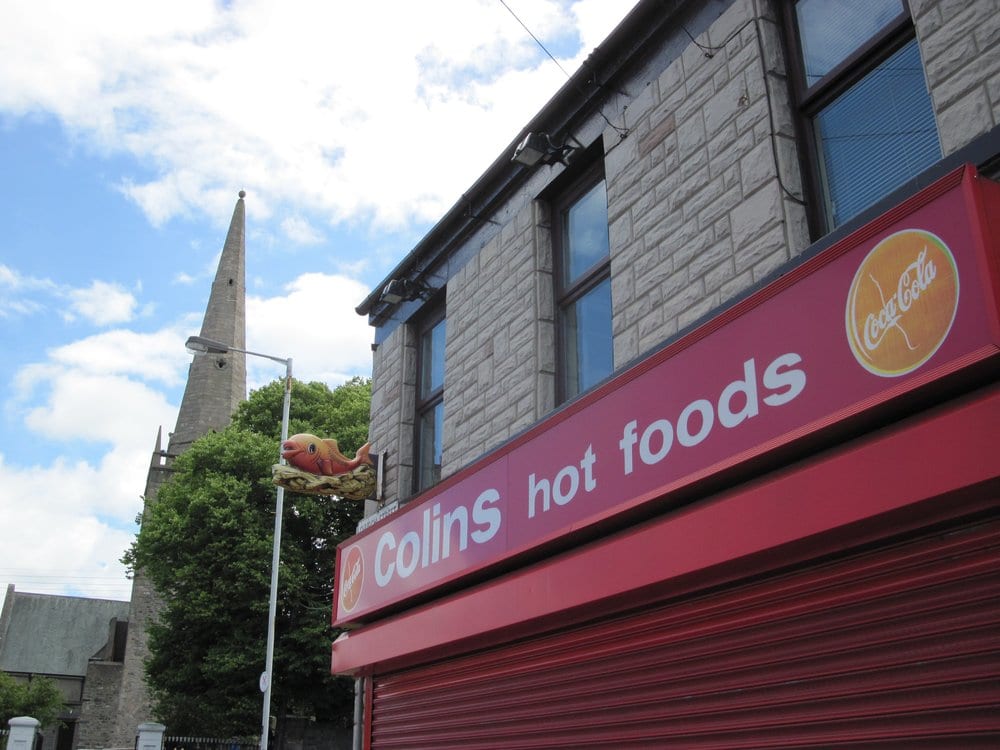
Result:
x=580 y=97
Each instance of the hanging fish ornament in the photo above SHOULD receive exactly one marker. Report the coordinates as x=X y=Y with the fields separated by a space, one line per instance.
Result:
x=316 y=466
x=321 y=456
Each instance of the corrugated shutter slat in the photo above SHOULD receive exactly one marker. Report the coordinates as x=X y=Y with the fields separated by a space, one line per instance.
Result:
x=895 y=647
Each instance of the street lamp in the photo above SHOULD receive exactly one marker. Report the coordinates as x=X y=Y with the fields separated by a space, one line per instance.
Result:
x=200 y=345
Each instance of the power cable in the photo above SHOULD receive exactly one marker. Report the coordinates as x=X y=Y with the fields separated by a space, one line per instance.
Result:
x=622 y=132
x=537 y=40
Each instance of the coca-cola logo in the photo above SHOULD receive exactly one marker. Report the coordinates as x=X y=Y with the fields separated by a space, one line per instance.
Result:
x=352 y=578
x=902 y=303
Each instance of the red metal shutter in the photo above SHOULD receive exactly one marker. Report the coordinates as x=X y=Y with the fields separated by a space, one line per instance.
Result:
x=896 y=647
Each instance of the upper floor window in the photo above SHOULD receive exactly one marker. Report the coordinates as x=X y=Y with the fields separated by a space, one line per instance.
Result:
x=860 y=84
x=430 y=401
x=583 y=285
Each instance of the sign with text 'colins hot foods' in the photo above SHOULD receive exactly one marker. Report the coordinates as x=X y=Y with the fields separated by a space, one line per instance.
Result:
x=902 y=302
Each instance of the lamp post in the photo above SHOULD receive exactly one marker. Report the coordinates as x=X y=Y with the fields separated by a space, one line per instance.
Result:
x=200 y=345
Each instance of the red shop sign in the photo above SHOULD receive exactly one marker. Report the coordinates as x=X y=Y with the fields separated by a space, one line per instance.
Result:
x=908 y=300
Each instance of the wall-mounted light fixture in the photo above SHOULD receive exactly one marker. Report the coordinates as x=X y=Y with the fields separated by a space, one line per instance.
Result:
x=400 y=290
x=538 y=147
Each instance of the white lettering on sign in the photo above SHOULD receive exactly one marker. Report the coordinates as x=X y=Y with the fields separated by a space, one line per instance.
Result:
x=433 y=544
x=353 y=576
x=781 y=379
x=563 y=488
x=914 y=280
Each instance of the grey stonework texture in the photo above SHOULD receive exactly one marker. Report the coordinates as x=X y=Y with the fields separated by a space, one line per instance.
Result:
x=394 y=369
x=100 y=705
x=960 y=48
x=497 y=367
x=696 y=209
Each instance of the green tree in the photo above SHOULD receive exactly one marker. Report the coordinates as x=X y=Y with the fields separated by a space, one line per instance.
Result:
x=206 y=545
x=38 y=698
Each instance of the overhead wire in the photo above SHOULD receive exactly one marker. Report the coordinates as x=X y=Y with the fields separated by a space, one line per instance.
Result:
x=537 y=40
x=622 y=132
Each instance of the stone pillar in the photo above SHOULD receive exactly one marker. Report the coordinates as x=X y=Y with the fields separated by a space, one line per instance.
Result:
x=150 y=736
x=22 y=733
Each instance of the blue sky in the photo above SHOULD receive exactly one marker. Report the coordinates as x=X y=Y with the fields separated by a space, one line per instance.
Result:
x=126 y=132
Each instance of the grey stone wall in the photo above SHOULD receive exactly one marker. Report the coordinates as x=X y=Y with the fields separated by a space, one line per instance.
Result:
x=134 y=705
x=394 y=377
x=960 y=47
x=99 y=705
x=696 y=210
x=499 y=356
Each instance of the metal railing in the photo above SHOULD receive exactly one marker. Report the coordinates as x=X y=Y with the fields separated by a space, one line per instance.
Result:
x=176 y=742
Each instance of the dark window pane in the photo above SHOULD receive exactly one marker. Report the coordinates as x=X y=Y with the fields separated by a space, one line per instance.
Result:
x=831 y=30
x=586 y=233
x=587 y=338
x=430 y=451
x=877 y=135
x=432 y=360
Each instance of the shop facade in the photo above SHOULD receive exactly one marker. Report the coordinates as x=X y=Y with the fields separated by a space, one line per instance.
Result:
x=772 y=518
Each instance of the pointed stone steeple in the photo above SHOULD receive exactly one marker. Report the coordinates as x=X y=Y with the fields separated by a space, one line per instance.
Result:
x=216 y=384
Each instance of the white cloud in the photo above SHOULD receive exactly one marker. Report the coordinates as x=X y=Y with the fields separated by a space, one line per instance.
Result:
x=102 y=303
x=315 y=324
x=68 y=520
x=158 y=356
x=347 y=110
x=54 y=540
x=15 y=302
x=99 y=408
x=300 y=231
x=595 y=19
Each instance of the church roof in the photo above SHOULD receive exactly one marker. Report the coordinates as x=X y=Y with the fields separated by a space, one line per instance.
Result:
x=54 y=635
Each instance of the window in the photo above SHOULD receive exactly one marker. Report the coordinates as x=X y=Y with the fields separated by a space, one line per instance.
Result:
x=869 y=124
x=583 y=285
x=430 y=401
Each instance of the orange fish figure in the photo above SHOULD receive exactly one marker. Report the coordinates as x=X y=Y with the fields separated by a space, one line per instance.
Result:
x=319 y=456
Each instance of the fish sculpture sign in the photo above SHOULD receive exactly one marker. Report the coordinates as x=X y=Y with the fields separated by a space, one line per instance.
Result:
x=317 y=467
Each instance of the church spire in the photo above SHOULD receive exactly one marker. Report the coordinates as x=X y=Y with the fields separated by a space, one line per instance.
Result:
x=217 y=383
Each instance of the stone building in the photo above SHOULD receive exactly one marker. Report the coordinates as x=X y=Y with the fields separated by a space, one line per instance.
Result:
x=96 y=649
x=601 y=455
x=61 y=637
x=215 y=386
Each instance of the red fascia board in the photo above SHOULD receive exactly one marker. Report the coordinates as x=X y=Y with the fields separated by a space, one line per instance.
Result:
x=895 y=470
x=983 y=196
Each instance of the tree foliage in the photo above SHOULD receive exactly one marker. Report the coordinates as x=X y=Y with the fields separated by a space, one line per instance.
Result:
x=206 y=545
x=39 y=698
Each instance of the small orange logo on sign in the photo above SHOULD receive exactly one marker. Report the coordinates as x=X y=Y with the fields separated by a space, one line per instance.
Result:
x=352 y=578
x=902 y=303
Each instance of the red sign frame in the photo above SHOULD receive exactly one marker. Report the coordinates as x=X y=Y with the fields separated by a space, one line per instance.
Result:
x=778 y=370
